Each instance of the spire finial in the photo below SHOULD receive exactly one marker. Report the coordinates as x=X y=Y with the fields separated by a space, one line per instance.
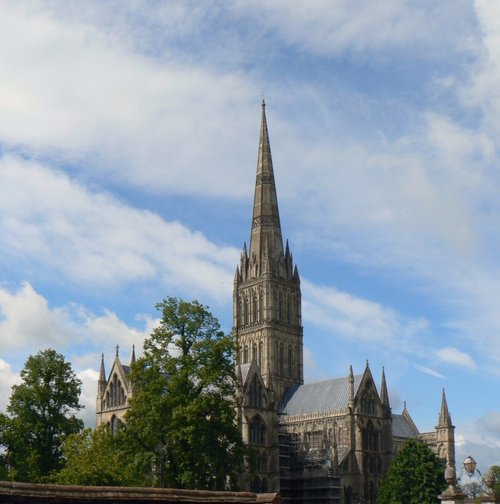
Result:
x=132 y=358
x=117 y=349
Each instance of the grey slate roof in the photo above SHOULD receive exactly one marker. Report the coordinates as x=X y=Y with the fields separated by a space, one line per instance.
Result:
x=320 y=397
x=401 y=427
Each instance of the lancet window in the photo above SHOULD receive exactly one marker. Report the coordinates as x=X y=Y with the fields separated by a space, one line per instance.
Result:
x=257 y=432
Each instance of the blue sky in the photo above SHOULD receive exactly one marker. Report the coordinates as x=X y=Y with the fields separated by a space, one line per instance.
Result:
x=128 y=146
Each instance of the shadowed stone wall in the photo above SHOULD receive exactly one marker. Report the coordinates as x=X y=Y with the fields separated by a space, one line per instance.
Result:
x=28 y=493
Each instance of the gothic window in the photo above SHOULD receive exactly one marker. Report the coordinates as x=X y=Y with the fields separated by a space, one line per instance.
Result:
x=245 y=354
x=282 y=358
x=261 y=307
x=256 y=485
x=114 y=424
x=255 y=392
x=257 y=432
x=255 y=310
x=260 y=354
x=280 y=308
x=265 y=486
x=290 y=361
x=246 y=311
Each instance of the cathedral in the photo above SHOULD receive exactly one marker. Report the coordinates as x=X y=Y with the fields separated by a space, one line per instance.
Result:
x=325 y=442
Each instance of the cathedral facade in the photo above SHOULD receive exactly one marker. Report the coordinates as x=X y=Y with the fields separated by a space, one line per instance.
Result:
x=325 y=442
x=329 y=441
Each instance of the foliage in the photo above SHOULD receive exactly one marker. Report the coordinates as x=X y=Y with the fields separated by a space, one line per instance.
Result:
x=41 y=415
x=182 y=412
x=415 y=476
x=100 y=458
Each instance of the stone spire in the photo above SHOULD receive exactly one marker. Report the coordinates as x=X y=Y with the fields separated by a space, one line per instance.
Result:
x=444 y=414
x=132 y=358
x=384 y=395
x=266 y=228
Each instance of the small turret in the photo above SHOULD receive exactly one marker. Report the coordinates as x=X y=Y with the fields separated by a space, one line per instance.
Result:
x=351 y=387
x=132 y=358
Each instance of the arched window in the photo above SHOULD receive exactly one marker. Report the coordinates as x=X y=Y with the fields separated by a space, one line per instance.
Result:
x=282 y=358
x=114 y=424
x=256 y=485
x=257 y=432
x=290 y=361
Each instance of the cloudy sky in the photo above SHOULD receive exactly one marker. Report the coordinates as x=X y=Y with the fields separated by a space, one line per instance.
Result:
x=128 y=146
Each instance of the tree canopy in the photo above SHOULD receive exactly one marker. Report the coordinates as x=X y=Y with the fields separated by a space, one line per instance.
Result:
x=41 y=414
x=99 y=457
x=182 y=412
x=415 y=476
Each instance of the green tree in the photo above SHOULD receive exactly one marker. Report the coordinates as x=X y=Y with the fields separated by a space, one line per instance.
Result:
x=415 y=476
x=99 y=457
x=41 y=413
x=183 y=412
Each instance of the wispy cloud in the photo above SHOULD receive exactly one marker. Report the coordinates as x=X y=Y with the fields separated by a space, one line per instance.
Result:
x=429 y=371
x=91 y=238
x=348 y=316
x=455 y=356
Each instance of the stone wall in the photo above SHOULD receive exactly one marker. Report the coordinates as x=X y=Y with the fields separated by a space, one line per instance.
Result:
x=28 y=493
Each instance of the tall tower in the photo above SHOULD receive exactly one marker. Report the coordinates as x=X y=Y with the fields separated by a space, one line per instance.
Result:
x=445 y=434
x=266 y=297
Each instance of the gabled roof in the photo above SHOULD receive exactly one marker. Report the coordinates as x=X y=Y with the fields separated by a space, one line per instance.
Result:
x=319 y=397
x=402 y=428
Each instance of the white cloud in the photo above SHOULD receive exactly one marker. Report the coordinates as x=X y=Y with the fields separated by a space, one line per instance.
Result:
x=481 y=439
x=348 y=316
x=89 y=379
x=364 y=27
x=7 y=378
x=76 y=92
x=92 y=238
x=26 y=321
x=455 y=356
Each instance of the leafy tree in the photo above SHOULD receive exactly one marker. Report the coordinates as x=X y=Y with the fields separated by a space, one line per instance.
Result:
x=415 y=476
x=99 y=457
x=41 y=414
x=182 y=412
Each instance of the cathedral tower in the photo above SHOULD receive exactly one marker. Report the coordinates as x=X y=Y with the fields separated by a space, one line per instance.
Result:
x=266 y=298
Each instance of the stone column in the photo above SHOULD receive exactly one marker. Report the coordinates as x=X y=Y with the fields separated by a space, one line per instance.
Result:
x=451 y=495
